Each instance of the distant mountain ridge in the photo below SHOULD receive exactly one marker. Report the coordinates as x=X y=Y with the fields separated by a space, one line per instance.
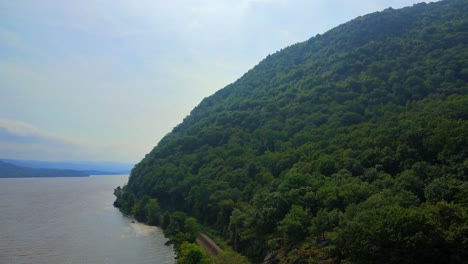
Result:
x=12 y=168
x=8 y=170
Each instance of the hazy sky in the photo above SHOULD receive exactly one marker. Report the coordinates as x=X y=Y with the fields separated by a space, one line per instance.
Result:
x=105 y=80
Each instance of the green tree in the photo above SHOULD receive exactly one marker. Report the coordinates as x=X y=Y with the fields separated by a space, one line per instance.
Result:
x=191 y=253
x=391 y=234
x=442 y=189
x=294 y=225
x=153 y=211
x=324 y=221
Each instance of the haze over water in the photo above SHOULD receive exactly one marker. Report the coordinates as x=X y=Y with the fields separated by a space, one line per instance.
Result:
x=72 y=220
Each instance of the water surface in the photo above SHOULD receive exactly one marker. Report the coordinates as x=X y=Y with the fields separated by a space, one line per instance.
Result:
x=72 y=220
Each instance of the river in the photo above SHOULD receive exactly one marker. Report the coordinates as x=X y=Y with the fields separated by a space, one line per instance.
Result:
x=72 y=220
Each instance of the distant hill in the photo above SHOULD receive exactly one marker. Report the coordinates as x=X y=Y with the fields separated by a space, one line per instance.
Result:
x=8 y=170
x=350 y=147
x=92 y=168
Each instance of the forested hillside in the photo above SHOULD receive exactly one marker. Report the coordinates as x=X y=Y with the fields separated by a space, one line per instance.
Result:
x=350 y=147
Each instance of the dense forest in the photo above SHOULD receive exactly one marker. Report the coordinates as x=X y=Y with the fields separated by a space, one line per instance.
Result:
x=350 y=147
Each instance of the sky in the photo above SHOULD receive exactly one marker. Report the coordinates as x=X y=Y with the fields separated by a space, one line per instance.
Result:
x=105 y=80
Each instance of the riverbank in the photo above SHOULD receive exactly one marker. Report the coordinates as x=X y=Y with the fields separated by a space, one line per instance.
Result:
x=188 y=237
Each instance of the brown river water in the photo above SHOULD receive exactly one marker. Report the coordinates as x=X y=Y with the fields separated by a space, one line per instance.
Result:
x=72 y=220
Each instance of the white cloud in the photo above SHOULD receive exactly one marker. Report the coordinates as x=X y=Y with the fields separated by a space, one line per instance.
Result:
x=17 y=128
x=9 y=38
x=19 y=140
x=23 y=133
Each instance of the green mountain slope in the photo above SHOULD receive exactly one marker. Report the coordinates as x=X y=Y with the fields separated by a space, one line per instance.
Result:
x=351 y=146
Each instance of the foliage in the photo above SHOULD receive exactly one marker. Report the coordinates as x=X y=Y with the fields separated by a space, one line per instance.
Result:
x=191 y=253
x=420 y=234
x=357 y=138
x=294 y=223
x=152 y=210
